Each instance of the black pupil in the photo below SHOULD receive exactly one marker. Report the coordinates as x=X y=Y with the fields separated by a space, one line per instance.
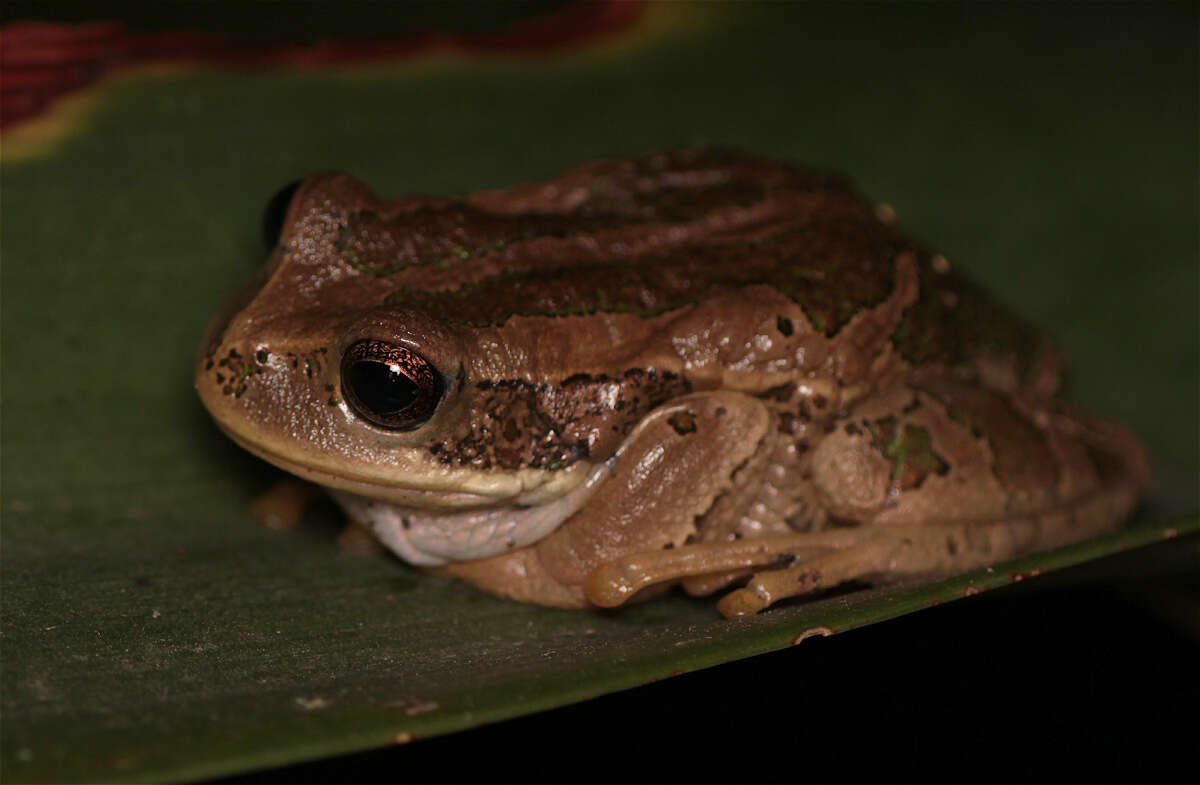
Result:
x=381 y=387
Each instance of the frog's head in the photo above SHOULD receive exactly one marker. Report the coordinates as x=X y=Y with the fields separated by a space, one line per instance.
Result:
x=336 y=364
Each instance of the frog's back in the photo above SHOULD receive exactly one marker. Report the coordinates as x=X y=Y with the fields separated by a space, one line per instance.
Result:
x=652 y=236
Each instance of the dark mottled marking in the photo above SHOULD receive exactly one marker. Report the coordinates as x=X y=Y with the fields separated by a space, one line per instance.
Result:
x=741 y=467
x=911 y=406
x=515 y=424
x=801 y=445
x=954 y=330
x=683 y=423
x=853 y=429
x=832 y=268
x=782 y=392
x=810 y=578
x=1022 y=458
x=262 y=355
x=238 y=370
x=785 y=325
x=458 y=233
x=951 y=546
x=720 y=411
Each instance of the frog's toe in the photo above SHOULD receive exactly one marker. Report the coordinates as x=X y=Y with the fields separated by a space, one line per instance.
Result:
x=283 y=505
x=813 y=574
x=743 y=602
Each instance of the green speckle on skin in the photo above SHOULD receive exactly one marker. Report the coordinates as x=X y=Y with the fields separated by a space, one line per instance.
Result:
x=597 y=187
x=954 y=323
x=351 y=256
x=815 y=319
x=910 y=449
x=244 y=374
x=847 y=310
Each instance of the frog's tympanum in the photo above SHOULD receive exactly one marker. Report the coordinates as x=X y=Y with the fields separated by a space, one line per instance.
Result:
x=699 y=369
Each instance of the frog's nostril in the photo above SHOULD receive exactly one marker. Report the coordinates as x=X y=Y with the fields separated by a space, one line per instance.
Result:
x=275 y=212
x=390 y=386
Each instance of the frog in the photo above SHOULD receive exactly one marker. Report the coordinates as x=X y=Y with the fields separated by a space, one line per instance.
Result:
x=698 y=369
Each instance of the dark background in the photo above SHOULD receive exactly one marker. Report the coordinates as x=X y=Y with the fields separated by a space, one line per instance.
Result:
x=1090 y=673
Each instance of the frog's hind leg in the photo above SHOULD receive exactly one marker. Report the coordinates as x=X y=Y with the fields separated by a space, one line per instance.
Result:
x=794 y=565
x=890 y=553
x=956 y=478
x=896 y=552
x=918 y=492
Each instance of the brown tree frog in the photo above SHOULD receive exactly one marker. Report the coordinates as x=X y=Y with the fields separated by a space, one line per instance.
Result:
x=691 y=368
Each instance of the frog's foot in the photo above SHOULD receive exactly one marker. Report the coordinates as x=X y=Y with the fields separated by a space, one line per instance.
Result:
x=282 y=506
x=892 y=552
x=872 y=557
x=708 y=567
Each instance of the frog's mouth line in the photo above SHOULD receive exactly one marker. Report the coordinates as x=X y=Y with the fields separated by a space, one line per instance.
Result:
x=463 y=489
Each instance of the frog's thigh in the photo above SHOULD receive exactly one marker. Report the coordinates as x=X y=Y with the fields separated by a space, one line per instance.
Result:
x=672 y=468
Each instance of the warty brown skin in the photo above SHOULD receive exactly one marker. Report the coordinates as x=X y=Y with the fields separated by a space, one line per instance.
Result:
x=775 y=381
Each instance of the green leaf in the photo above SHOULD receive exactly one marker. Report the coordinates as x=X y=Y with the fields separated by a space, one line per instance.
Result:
x=152 y=631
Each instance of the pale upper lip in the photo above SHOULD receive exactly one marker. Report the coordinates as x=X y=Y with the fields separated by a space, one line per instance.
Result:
x=465 y=489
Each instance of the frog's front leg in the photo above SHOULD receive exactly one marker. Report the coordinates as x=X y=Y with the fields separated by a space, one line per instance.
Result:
x=282 y=506
x=668 y=475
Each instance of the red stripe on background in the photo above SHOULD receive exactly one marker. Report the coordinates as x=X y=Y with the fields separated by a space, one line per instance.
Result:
x=41 y=61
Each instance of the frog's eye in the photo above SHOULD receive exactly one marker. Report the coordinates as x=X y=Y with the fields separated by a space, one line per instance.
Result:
x=275 y=212
x=390 y=386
